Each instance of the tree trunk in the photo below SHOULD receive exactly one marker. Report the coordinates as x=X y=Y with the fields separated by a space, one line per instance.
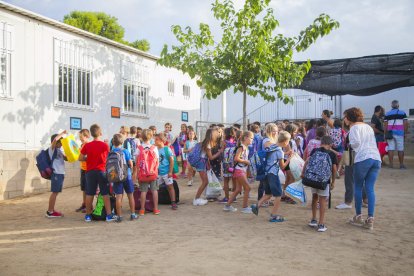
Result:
x=244 y=109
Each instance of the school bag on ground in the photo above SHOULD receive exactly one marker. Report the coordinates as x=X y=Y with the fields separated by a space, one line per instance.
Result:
x=147 y=163
x=164 y=195
x=149 y=202
x=44 y=163
x=116 y=167
x=194 y=156
x=318 y=172
x=99 y=213
x=167 y=155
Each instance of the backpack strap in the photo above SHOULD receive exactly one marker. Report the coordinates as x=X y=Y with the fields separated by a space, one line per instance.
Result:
x=167 y=154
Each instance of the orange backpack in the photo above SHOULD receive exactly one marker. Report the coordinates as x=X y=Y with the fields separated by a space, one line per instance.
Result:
x=147 y=162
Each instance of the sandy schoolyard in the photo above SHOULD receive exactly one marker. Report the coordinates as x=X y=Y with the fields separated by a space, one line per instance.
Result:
x=207 y=241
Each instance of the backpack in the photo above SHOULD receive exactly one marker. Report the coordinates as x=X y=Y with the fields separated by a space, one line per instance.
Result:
x=336 y=135
x=147 y=163
x=164 y=195
x=99 y=213
x=116 y=167
x=44 y=163
x=167 y=155
x=133 y=145
x=149 y=201
x=259 y=162
x=228 y=160
x=318 y=171
x=194 y=156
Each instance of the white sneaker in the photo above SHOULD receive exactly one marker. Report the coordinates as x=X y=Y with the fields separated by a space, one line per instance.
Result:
x=199 y=202
x=229 y=208
x=343 y=206
x=247 y=210
x=190 y=183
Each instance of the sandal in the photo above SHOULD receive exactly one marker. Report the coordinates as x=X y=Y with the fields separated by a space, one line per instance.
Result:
x=276 y=218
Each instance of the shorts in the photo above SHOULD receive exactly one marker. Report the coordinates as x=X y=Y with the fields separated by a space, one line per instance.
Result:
x=127 y=186
x=95 y=179
x=83 y=180
x=239 y=173
x=272 y=185
x=144 y=186
x=321 y=192
x=396 y=143
x=57 y=182
x=165 y=179
x=202 y=165
x=379 y=137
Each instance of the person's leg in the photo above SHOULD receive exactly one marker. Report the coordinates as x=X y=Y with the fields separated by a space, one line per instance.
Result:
x=235 y=192
x=131 y=202
x=260 y=190
x=401 y=158
x=226 y=187
x=314 y=205
x=143 y=200
x=246 y=191
x=349 y=185
x=276 y=188
x=118 y=205
x=263 y=199
x=91 y=185
x=204 y=183
x=360 y=171
x=104 y=190
x=370 y=180
x=322 y=209
x=171 y=191
x=52 y=202
x=276 y=205
x=155 y=198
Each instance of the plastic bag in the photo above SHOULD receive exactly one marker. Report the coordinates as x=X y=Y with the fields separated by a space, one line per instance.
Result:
x=296 y=166
x=214 y=188
x=296 y=192
x=282 y=177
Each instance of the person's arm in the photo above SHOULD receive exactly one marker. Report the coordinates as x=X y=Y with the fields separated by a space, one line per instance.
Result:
x=213 y=156
x=334 y=170
x=170 y=171
x=283 y=163
x=353 y=140
x=57 y=138
x=237 y=158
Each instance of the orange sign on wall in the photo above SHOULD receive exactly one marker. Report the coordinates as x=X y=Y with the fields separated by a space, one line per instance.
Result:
x=115 y=112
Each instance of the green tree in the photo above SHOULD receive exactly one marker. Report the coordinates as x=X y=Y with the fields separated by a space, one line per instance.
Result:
x=104 y=25
x=250 y=57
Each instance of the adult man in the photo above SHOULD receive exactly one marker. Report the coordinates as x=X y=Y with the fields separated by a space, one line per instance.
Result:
x=377 y=123
x=395 y=123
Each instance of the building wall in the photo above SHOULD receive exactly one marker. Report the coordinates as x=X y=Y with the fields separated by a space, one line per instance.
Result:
x=31 y=115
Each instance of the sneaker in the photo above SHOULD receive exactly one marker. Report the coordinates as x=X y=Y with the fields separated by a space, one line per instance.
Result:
x=53 y=214
x=190 y=183
x=174 y=206
x=265 y=204
x=313 y=223
x=276 y=218
x=402 y=167
x=81 y=208
x=110 y=218
x=229 y=208
x=141 y=212
x=343 y=206
x=338 y=175
x=134 y=216
x=247 y=210
x=322 y=228
x=369 y=223
x=356 y=221
x=156 y=212
x=255 y=209
x=199 y=202
x=88 y=218
x=118 y=219
x=224 y=200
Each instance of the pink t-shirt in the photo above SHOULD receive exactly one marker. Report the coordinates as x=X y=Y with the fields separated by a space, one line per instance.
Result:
x=313 y=144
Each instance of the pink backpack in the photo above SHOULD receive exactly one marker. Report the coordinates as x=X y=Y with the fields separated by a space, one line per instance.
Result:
x=147 y=162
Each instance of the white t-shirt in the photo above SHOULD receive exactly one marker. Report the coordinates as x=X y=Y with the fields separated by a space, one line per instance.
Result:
x=244 y=156
x=362 y=140
x=58 y=164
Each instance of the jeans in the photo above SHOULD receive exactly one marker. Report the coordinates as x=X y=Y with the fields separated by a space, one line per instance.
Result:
x=366 y=172
x=349 y=185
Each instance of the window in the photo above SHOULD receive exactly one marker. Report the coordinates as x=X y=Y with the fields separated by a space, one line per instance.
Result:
x=171 y=87
x=186 y=91
x=135 y=89
x=5 y=59
x=74 y=75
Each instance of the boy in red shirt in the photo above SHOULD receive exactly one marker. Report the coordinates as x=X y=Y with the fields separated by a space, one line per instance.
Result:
x=95 y=154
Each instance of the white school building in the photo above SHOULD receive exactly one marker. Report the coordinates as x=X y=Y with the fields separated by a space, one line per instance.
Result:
x=54 y=77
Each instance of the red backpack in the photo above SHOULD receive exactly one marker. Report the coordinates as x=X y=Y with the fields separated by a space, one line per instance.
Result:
x=147 y=163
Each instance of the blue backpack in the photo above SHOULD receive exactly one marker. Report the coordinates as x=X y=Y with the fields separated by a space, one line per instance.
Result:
x=194 y=156
x=258 y=162
x=44 y=163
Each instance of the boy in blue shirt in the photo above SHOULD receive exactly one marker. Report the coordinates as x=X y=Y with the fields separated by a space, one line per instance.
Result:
x=165 y=169
x=126 y=185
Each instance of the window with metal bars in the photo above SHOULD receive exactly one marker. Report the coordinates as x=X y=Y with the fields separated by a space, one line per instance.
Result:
x=171 y=87
x=5 y=59
x=186 y=91
x=135 y=88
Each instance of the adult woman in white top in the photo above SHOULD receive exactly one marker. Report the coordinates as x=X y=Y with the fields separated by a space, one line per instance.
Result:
x=367 y=164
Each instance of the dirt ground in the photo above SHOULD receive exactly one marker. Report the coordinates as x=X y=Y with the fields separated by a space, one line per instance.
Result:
x=205 y=240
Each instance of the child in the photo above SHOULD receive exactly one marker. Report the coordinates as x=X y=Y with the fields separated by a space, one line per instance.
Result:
x=241 y=161
x=165 y=168
x=182 y=138
x=84 y=136
x=126 y=185
x=216 y=164
x=189 y=145
x=168 y=134
x=289 y=149
x=314 y=143
x=95 y=154
x=228 y=160
x=154 y=131
x=208 y=143
x=275 y=161
x=153 y=185
x=58 y=175
x=321 y=196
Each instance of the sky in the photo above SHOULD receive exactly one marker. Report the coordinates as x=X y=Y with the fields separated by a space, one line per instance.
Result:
x=368 y=27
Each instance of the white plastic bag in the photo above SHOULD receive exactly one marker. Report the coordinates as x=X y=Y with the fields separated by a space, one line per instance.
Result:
x=296 y=166
x=214 y=188
x=282 y=177
x=296 y=192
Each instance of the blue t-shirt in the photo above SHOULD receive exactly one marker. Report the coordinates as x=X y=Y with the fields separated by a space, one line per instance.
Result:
x=127 y=158
x=164 y=166
x=273 y=157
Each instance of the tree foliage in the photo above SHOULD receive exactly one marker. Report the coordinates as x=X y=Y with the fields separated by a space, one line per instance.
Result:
x=103 y=24
x=251 y=57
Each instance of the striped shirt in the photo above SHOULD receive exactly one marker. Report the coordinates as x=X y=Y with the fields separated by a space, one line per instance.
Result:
x=395 y=119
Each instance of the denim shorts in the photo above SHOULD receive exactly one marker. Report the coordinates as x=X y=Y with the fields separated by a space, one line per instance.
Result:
x=272 y=185
x=127 y=186
x=95 y=179
x=202 y=165
x=57 y=183
x=83 y=180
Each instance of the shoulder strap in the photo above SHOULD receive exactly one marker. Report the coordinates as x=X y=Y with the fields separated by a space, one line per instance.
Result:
x=54 y=155
x=167 y=154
